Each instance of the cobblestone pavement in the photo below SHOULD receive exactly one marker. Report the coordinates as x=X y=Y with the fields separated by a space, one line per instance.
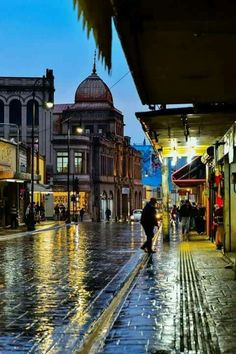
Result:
x=48 y=280
x=182 y=302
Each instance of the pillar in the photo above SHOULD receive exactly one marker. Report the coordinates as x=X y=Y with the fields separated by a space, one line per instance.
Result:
x=165 y=198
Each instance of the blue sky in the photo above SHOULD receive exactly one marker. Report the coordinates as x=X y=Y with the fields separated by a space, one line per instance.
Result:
x=40 y=34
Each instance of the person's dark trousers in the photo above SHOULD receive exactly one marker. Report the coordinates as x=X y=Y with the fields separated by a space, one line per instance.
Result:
x=200 y=225
x=149 y=234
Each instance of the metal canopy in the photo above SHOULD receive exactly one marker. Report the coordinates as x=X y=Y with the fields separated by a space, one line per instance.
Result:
x=179 y=51
x=206 y=126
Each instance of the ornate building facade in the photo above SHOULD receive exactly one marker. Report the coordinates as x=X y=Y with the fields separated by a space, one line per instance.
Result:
x=104 y=169
x=21 y=99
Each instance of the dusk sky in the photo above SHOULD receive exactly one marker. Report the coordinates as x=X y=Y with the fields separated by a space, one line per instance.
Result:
x=40 y=34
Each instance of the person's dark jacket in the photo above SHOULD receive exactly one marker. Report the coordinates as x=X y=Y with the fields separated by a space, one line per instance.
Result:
x=148 y=217
x=185 y=210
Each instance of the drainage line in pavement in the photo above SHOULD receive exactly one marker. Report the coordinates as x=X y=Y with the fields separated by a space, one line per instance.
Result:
x=203 y=312
x=184 y=309
x=197 y=338
x=193 y=313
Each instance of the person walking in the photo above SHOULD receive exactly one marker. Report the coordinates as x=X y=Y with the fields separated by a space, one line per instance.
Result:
x=14 y=215
x=185 y=213
x=57 y=212
x=81 y=213
x=200 y=219
x=219 y=222
x=108 y=214
x=148 y=222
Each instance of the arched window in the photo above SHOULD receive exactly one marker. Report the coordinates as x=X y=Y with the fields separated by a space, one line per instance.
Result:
x=30 y=112
x=15 y=112
x=1 y=112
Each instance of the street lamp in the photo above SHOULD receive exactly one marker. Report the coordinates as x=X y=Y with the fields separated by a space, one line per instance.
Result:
x=48 y=104
x=68 y=171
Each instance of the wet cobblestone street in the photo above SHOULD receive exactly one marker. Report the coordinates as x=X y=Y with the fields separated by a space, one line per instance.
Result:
x=49 y=278
x=58 y=289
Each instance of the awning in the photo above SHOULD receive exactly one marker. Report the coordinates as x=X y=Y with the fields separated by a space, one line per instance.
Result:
x=191 y=174
x=42 y=188
x=206 y=124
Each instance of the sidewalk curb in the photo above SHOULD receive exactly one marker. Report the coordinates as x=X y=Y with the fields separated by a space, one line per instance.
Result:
x=33 y=232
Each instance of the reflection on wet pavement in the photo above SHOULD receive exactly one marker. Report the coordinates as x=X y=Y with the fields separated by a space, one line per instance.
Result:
x=49 y=278
x=147 y=321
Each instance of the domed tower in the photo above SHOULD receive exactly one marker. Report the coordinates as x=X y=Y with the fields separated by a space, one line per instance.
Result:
x=93 y=90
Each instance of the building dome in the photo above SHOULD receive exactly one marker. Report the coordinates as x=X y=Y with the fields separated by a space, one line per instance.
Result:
x=93 y=89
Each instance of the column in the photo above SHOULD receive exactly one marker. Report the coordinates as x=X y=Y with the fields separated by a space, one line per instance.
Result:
x=6 y=120
x=24 y=124
x=165 y=197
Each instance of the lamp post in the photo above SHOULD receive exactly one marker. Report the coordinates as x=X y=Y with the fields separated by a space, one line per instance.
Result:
x=68 y=170
x=49 y=104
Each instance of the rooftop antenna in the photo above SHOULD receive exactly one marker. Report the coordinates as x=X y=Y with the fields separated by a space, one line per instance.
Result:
x=94 y=62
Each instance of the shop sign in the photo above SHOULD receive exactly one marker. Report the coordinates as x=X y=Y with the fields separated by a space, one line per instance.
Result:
x=125 y=190
x=7 y=155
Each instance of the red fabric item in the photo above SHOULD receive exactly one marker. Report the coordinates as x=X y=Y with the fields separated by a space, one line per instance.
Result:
x=219 y=201
x=218 y=179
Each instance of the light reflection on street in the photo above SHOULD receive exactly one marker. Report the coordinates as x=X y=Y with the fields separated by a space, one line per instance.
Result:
x=49 y=279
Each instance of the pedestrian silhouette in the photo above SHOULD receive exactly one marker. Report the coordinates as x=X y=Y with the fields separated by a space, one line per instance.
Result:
x=108 y=214
x=148 y=222
x=81 y=213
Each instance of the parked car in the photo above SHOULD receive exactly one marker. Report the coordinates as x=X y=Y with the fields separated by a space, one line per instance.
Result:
x=136 y=215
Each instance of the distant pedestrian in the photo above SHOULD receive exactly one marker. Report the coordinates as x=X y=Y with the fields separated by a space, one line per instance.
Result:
x=42 y=212
x=108 y=214
x=185 y=213
x=14 y=220
x=194 y=214
x=174 y=215
x=29 y=215
x=219 y=222
x=200 y=219
x=57 y=212
x=62 y=209
x=81 y=213
x=148 y=222
x=37 y=213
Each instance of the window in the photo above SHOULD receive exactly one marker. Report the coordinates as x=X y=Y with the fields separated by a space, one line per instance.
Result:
x=1 y=112
x=102 y=129
x=88 y=129
x=62 y=162
x=15 y=112
x=78 y=162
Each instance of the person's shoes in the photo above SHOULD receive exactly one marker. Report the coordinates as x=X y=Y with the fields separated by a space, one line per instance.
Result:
x=143 y=247
x=152 y=251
